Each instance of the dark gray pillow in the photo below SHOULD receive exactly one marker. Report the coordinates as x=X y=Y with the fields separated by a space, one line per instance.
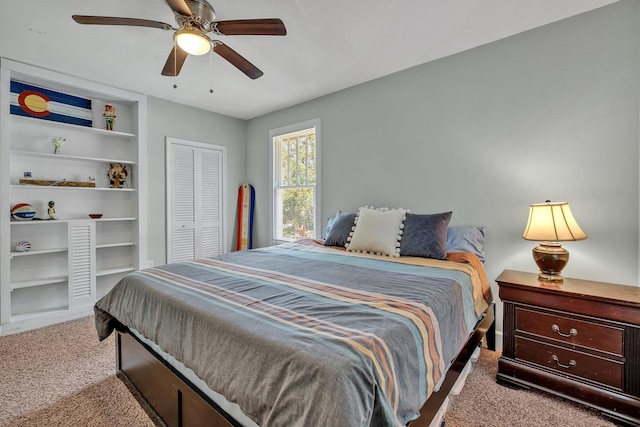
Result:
x=425 y=235
x=339 y=228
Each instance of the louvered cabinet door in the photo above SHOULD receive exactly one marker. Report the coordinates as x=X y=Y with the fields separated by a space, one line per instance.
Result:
x=82 y=263
x=210 y=204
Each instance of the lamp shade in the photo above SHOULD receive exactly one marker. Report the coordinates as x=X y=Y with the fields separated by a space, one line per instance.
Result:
x=192 y=42
x=552 y=222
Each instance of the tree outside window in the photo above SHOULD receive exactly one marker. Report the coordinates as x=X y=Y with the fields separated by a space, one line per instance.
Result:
x=295 y=198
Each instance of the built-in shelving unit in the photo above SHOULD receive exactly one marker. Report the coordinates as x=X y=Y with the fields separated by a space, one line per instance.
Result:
x=78 y=258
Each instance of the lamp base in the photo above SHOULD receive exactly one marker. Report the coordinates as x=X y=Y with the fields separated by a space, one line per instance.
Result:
x=550 y=277
x=551 y=258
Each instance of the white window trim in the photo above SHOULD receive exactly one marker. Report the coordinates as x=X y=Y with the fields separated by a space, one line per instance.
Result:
x=290 y=129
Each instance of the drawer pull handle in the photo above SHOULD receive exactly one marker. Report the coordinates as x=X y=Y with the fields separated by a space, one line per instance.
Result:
x=562 y=365
x=573 y=332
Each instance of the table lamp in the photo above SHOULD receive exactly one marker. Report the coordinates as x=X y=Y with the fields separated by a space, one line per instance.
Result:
x=551 y=223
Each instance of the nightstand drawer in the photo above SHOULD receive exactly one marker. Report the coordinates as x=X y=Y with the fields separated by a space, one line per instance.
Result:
x=570 y=330
x=569 y=362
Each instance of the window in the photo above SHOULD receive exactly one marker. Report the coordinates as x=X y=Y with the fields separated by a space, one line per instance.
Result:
x=296 y=181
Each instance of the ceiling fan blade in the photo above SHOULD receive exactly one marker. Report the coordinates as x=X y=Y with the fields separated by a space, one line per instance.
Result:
x=174 y=62
x=179 y=6
x=250 y=27
x=237 y=60
x=111 y=20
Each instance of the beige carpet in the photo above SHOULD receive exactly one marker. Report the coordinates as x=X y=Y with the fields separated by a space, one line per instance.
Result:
x=62 y=376
x=484 y=403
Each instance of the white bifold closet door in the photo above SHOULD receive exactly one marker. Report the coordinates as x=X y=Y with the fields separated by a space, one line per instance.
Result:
x=195 y=177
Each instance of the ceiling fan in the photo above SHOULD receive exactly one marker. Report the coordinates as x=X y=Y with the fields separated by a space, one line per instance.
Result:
x=196 y=18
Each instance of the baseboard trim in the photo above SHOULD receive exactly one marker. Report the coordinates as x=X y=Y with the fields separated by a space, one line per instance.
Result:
x=499 y=341
x=44 y=319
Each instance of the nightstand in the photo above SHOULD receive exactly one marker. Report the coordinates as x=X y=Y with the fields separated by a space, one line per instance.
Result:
x=577 y=339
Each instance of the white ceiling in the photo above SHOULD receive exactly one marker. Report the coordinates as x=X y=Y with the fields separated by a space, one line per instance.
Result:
x=330 y=45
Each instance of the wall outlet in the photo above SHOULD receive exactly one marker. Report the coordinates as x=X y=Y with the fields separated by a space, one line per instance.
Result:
x=150 y=263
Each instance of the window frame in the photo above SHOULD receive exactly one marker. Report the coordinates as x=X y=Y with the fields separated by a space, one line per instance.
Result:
x=275 y=133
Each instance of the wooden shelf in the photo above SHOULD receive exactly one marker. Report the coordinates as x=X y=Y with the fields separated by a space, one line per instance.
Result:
x=109 y=271
x=52 y=183
x=37 y=252
x=39 y=282
x=115 y=245
x=60 y=125
x=62 y=221
x=54 y=187
x=66 y=157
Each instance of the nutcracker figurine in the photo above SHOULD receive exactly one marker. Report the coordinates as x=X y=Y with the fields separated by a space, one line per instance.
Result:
x=109 y=115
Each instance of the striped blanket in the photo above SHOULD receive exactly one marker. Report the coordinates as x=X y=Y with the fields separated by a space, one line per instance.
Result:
x=301 y=334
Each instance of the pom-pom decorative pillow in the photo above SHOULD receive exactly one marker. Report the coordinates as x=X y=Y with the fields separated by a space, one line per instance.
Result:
x=338 y=228
x=377 y=231
x=425 y=235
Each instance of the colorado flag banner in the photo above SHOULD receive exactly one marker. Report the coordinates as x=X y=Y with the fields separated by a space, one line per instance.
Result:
x=33 y=101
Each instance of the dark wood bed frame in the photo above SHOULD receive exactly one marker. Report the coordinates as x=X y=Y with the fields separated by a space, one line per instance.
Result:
x=174 y=401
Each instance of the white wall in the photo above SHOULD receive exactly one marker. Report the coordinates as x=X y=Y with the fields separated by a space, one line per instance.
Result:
x=171 y=119
x=548 y=114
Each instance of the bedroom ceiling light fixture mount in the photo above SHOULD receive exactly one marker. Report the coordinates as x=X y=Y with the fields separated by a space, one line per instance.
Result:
x=551 y=223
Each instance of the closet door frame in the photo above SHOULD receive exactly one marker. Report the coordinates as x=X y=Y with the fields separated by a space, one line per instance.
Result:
x=169 y=143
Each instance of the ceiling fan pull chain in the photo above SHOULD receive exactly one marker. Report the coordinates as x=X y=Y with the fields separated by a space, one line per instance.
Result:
x=211 y=71
x=175 y=63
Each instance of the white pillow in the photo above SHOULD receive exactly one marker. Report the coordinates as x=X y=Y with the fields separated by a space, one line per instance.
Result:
x=377 y=231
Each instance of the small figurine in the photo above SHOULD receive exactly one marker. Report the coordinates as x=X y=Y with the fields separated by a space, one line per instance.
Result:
x=117 y=175
x=58 y=142
x=109 y=115
x=52 y=209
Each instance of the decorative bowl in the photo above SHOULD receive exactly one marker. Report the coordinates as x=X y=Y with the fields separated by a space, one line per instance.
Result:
x=95 y=216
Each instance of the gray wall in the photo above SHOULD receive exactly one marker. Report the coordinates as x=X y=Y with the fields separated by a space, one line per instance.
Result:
x=547 y=114
x=170 y=119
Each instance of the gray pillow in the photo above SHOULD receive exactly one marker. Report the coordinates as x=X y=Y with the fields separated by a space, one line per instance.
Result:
x=425 y=235
x=466 y=238
x=338 y=228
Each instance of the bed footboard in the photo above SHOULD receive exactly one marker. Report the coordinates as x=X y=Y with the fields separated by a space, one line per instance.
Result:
x=178 y=403
x=164 y=390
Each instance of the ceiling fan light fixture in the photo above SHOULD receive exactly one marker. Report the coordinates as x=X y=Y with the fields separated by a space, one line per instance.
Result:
x=192 y=42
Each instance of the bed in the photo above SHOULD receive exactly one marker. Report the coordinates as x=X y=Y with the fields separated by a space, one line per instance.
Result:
x=298 y=334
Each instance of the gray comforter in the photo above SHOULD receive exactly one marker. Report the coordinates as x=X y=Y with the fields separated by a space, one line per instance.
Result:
x=301 y=334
